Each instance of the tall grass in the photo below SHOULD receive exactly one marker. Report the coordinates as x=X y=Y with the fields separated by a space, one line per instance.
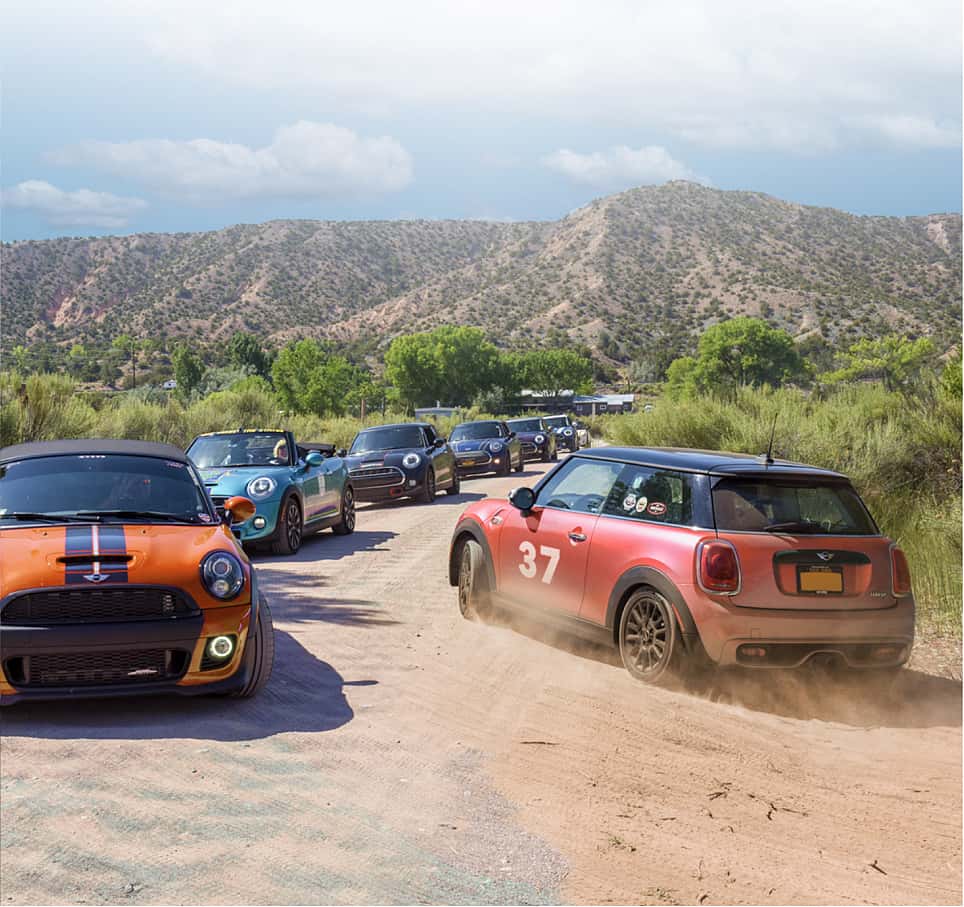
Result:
x=903 y=454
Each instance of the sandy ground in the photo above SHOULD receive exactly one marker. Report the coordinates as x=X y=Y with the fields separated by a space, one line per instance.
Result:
x=403 y=755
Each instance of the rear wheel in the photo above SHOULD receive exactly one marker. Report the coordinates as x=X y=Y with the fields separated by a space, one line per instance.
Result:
x=347 y=524
x=427 y=495
x=456 y=485
x=290 y=528
x=261 y=645
x=649 y=638
x=474 y=598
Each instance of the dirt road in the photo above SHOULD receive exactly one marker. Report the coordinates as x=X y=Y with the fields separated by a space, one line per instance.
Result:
x=402 y=754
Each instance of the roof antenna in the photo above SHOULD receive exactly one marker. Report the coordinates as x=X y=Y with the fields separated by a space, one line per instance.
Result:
x=767 y=458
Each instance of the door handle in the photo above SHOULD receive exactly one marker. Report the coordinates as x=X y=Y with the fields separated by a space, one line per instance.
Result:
x=577 y=536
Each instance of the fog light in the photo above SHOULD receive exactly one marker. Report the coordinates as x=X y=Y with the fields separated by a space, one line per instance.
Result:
x=753 y=651
x=260 y=522
x=412 y=483
x=221 y=647
x=497 y=460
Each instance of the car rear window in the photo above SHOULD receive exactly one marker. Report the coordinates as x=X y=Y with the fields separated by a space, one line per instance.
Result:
x=797 y=507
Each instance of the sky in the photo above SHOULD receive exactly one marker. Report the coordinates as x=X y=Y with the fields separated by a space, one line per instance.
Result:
x=133 y=116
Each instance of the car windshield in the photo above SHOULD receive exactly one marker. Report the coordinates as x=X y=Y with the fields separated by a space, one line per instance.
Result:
x=476 y=431
x=526 y=425
x=249 y=448
x=393 y=437
x=794 y=507
x=101 y=486
x=557 y=421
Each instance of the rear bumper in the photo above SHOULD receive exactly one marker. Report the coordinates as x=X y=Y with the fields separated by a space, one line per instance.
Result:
x=183 y=641
x=791 y=637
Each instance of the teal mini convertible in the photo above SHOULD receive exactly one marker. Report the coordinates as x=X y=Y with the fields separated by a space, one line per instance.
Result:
x=297 y=488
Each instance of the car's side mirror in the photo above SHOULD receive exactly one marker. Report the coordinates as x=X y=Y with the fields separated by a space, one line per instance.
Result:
x=341 y=452
x=440 y=442
x=523 y=499
x=238 y=509
x=511 y=434
x=314 y=458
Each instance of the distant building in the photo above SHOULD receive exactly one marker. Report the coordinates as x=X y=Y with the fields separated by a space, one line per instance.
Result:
x=170 y=385
x=581 y=404
x=437 y=412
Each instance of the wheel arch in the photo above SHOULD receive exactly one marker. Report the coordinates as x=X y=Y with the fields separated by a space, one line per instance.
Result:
x=637 y=577
x=465 y=530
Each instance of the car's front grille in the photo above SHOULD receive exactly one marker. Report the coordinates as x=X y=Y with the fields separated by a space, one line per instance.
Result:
x=478 y=457
x=529 y=448
x=376 y=476
x=76 y=669
x=75 y=606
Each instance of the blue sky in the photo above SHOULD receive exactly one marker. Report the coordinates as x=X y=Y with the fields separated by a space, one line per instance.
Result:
x=176 y=116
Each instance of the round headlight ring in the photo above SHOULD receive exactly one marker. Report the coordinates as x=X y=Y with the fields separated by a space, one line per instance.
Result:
x=495 y=446
x=221 y=647
x=261 y=487
x=568 y=431
x=411 y=460
x=540 y=439
x=222 y=575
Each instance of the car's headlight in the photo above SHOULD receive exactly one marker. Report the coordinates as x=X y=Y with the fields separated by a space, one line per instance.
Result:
x=495 y=446
x=568 y=431
x=540 y=438
x=261 y=487
x=222 y=574
x=411 y=460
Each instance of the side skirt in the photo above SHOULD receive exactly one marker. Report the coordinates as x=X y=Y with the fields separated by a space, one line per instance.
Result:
x=565 y=623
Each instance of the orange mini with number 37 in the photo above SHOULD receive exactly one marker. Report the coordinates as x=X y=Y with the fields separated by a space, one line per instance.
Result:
x=686 y=557
x=118 y=577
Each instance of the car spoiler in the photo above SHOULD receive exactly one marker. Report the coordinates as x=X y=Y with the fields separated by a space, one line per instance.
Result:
x=326 y=450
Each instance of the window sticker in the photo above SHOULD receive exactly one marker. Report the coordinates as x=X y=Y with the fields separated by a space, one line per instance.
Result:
x=629 y=502
x=204 y=517
x=657 y=508
x=641 y=503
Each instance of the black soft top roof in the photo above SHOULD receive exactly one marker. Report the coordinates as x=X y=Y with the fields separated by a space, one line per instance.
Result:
x=92 y=446
x=710 y=461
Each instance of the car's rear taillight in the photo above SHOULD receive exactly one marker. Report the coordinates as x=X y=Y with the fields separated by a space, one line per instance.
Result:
x=899 y=572
x=718 y=568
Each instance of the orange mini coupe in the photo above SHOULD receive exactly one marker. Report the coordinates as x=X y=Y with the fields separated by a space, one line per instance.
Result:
x=118 y=577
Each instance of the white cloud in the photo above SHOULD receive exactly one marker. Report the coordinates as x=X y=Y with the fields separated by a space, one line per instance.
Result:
x=906 y=130
x=619 y=166
x=83 y=207
x=792 y=76
x=317 y=160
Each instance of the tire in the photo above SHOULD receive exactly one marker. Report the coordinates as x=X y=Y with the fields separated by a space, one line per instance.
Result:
x=456 y=486
x=262 y=657
x=522 y=462
x=347 y=524
x=649 y=638
x=555 y=455
x=474 y=598
x=427 y=494
x=506 y=468
x=291 y=529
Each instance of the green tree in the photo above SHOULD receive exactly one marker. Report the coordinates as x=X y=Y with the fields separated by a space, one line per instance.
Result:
x=550 y=372
x=188 y=370
x=681 y=378
x=246 y=351
x=951 y=378
x=309 y=380
x=894 y=360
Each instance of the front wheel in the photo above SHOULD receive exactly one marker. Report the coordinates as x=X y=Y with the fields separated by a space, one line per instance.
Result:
x=473 y=581
x=261 y=646
x=290 y=528
x=427 y=494
x=522 y=463
x=649 y=639
x=347 y=524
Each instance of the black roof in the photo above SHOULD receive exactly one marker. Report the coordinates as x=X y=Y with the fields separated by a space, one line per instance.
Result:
x=710 y=461
x=480 y=422
x=397 y=425
x=92 y=446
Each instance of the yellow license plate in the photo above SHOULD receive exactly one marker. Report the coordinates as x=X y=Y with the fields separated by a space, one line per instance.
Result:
x=820 y=579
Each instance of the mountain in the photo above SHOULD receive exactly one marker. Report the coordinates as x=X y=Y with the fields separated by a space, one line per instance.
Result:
x=648 y=266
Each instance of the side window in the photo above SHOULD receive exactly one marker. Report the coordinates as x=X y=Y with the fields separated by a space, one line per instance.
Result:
x=581 y=484
x=429 y=433
x=653 y=495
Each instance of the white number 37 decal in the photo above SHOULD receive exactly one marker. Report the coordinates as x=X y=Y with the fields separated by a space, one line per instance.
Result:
x=528 y=566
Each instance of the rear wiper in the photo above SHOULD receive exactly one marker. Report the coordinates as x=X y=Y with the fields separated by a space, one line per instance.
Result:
x=139 y=514
x=789 y=524
x=49 y=517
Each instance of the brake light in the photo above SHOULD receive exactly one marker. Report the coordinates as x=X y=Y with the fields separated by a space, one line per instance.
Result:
x=719 y=567
x=899 y=571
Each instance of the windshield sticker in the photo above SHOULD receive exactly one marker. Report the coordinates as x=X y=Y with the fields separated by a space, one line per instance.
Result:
x=629 y=502
x=204 y=517
x=657 y=508
x=641 y=503
x=173 y=464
